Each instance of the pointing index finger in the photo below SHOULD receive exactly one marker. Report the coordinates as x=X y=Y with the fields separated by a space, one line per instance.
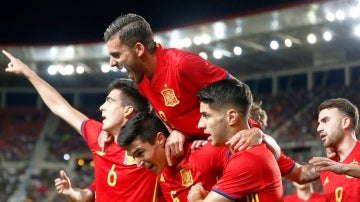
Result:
x=7 y=54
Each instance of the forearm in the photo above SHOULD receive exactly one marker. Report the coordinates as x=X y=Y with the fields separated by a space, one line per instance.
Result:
x=49 y=94
x=272 y=145
x=323 y=163
x=308 y=174
x=351 y=170
x=55 y=101
x=302 y=174
x=83 y=195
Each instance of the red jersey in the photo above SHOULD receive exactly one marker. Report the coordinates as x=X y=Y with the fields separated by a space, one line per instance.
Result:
x=315 y=197
x=178 y=76
x=286 y=164
x=205 y=164
x=117 y=177
x=342 y=188
x=251 y=175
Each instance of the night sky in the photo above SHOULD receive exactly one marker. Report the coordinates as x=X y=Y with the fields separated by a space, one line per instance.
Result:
x=63 y=22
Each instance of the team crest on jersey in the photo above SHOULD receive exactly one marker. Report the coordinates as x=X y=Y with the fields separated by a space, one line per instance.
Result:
x=129 y=160
x=169 y=97
x=354 y=162
x=186 y=177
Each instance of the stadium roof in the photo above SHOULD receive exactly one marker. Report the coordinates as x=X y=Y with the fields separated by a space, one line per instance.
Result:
x=299 y=37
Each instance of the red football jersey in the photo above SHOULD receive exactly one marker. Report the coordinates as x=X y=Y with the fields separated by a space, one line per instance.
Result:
x=251 y=175
x=315 y=197
x=178 y=76
x=205 y=164
x=117 y=177
x=342 y=188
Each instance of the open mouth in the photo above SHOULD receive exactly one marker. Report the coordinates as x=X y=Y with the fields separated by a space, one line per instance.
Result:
x=322 y=136
x=151 y=167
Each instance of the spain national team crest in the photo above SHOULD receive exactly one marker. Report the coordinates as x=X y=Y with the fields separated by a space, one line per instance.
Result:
x=169 y=97
x=186 y=177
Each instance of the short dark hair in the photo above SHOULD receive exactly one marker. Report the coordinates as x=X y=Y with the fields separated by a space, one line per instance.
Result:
x=143 y=126
x=131 y=28
x=227 y=93
x=130 y=94
x=343 y=105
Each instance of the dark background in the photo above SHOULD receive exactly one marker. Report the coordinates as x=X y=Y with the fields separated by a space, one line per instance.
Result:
x=62 y=22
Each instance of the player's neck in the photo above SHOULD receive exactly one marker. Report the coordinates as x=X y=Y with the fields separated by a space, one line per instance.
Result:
x=345 y=147
x=149 y=65
x=304 y=194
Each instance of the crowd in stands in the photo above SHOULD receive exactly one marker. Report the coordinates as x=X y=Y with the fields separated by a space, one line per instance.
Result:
x=19 y=131
x=64 y=141
x=8 y=181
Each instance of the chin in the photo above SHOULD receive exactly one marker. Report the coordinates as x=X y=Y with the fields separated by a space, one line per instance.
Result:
x=104 y=128
x=158 y=170
x=213 y=143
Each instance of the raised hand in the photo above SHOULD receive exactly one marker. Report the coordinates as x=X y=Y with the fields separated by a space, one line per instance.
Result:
x=63 y=184
x=174 y=146
x=245 y=139
x=197 y=192
x=15 y=65
x=103 y=139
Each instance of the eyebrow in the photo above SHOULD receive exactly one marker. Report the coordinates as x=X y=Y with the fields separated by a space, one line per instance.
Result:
x=109 y=98
x=324 y=118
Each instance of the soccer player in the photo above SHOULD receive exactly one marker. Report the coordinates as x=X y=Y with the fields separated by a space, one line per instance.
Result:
x=117 y=178
x=169 y=78
x=338 y=119
x=144 y=136
x=249 y=175
x=304 y=193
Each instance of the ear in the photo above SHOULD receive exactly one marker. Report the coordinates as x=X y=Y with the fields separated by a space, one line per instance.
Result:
x=160 y=138
x=128 y=111
x=232 y=116
x=139 y=49
x=346 y=122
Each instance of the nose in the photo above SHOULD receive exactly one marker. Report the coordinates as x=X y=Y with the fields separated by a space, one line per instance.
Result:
x=139 y=163
x=201 y=124
x=101 y=108
x=319 y=128
x=113 y=62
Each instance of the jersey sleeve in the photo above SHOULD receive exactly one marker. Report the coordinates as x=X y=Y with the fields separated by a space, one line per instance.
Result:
x=286 y=164
x=90 y=129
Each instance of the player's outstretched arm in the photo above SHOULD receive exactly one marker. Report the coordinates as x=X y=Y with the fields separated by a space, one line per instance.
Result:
x=303 y=174
x=51 y=97
x=324 y=163
x=63 y=186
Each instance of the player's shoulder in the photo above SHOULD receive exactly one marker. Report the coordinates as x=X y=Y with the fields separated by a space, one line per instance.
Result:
x=210 y=152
